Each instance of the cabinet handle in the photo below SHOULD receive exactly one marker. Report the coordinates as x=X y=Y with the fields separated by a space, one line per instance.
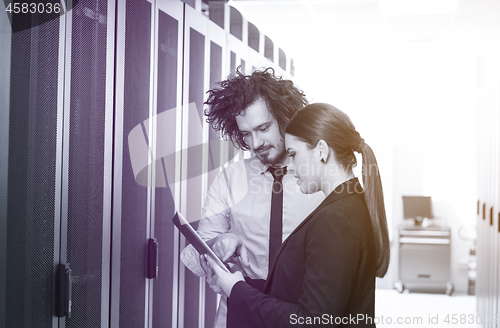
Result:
x=152 y=262
x=491 y=216
x=63 y=290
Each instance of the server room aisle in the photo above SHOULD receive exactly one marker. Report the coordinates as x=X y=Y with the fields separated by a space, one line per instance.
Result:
x=412 y=310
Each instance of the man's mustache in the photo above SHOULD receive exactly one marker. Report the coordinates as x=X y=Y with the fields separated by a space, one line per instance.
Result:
x=262 y=148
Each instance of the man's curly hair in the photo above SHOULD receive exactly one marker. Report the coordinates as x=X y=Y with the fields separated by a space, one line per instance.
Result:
x=240 y=91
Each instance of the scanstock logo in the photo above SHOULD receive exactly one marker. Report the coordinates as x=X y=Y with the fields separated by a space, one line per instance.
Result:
x=171 y=162
x=24 y=14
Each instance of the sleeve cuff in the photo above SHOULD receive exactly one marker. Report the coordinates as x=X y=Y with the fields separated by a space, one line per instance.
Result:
x=238 y=291
x=191 y=259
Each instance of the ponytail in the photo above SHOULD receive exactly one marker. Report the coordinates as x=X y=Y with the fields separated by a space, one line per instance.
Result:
x=374 y=200
x=325 y=122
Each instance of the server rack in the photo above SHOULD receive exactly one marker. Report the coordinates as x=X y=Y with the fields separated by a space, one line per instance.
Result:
x=88 y=186
x=488 y=212
x=56 y=218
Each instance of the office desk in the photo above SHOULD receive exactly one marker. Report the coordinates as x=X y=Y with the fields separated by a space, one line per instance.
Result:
x=424 y=257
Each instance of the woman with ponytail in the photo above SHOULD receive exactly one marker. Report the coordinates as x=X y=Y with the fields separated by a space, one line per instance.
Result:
x=324 y=273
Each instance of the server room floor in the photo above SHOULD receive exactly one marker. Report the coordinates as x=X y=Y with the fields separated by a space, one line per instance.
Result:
x=412 y=310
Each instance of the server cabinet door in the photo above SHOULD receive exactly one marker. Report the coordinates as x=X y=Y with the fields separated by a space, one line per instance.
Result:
x=217 y=148
x=30 y=169
x=131 y=199
x=5 y=39
x=217 y=72
x=168 y=90
x=497 y=200
x=194 y=156
x=86 y=196
x=238 y=52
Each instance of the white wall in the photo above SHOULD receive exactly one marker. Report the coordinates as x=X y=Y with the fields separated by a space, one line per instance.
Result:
x=414 y=103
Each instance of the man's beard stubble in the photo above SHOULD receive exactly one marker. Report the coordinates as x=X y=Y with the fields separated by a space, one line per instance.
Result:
x=277 y=158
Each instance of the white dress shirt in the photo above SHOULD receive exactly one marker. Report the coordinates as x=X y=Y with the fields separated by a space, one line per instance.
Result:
x=239 y=201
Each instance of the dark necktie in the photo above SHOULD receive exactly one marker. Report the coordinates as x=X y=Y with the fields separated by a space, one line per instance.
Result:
x=276 y=226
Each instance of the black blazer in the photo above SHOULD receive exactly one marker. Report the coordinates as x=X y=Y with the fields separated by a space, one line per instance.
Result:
x=324 y=273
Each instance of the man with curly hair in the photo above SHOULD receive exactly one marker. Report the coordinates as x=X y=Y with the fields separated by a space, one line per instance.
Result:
x=252 y=111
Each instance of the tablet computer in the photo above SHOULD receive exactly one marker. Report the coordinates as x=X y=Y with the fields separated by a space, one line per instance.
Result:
x=187 y=230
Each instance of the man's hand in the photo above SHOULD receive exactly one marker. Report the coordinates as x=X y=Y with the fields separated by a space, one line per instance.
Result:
x=224 y=280
x=228 y=247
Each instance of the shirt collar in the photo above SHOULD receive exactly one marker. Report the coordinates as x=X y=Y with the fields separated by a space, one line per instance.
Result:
x=349 y=187
x=263 y=168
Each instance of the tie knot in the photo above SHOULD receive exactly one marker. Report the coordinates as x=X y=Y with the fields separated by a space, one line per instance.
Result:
x=278 y=172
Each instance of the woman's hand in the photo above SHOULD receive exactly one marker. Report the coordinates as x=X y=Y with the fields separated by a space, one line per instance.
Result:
x=210 y=277
x=215 y=274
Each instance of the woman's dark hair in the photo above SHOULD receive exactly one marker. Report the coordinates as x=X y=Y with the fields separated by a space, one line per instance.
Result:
x=240 y=91
x=319 y=121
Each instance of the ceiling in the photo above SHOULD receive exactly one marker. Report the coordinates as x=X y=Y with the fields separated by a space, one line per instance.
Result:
x=298 y=23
